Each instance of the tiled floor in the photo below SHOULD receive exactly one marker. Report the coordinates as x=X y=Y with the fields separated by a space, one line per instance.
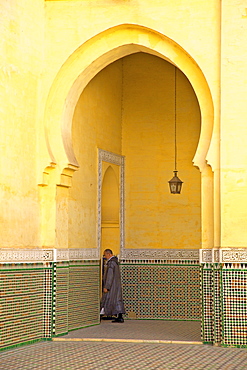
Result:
x=184 y=331
x=122 y=347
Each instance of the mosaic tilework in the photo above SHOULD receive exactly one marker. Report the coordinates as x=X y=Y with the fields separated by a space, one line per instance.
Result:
x=217 y=313
x=62 y=292
x=83 y=294
x=122 y=356
x=48 y=299
x=22 y=303
x=207 y=297
x=162 y=291
x=234 y=304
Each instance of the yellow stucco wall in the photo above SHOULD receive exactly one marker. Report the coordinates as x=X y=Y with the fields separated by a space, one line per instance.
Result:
x=96 y=124
x=233 y=125
x=154 y=217
x=46 y=64
x=21 y=66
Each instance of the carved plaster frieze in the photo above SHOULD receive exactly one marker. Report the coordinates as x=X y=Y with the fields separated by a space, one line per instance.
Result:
x=26 y=255
x=206 y=256
x=209 y=255
x=110 y=157
x=161 y=254
x=84 y=254
x=216 y=255
x=47 y=255
x=233 y=255
x=61 y=255
x=223 y=255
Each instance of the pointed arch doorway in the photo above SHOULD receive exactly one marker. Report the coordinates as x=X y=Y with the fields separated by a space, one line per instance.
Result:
x=65 y=150
x=110 y=203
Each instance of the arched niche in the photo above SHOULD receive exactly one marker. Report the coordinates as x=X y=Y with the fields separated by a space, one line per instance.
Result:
x=92 y=57
x=111 y=194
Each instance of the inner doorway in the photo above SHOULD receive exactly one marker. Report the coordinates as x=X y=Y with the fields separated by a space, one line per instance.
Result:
x=129 y=108
x=110 y=204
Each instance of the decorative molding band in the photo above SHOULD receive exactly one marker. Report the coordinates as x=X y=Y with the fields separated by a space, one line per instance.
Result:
x=47 y=255
x=209 y=255
x=110 y=157
x=84 y=254
x=26 y=255
x=161 y=254
x=233 y=255
x=223 y=255
x=214 y=255
x=157 y=262
x=61 y=255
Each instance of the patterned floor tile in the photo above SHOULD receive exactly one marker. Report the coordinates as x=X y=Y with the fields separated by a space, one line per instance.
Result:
x=132 y=356
x=143 y=329
x=79 y=351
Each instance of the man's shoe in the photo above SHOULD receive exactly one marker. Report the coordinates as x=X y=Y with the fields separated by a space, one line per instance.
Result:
x=106 y=318
x=118 y=320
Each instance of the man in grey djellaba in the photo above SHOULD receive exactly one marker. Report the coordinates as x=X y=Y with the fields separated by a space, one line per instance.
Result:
x=112 y=300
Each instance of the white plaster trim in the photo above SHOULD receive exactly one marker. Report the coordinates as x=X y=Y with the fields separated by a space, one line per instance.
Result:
x=119 y=160
x=26 y=255
x=84 y=254
x=233 y=255
x=209 y=255
x=47 y=255
x=205 y=255
x=214 y=255
x=223 y=255
x=161 y=254
x=62 y=255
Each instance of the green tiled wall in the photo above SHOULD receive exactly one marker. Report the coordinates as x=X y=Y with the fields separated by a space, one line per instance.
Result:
x=39 y=301
x=25 y=313
x=61 y=297
x=234 y=305
x=217 y=312
x=153 y=291
x=83 y=294
x=207 y=303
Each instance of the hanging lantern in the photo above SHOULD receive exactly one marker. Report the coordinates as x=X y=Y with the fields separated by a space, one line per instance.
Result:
x=175 y=183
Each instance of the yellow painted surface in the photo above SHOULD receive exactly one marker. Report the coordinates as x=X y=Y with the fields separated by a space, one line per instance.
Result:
x=233 y=127
x=55 y=114
x=21 y=63
x=154 y=217
x=96 y=124
x=110 y=195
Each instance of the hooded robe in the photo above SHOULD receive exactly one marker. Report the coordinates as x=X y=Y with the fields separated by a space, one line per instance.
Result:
x=112 y=301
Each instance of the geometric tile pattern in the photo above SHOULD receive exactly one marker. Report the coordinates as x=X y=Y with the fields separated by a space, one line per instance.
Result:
x=47 y=299
x=62 y=292
x=217 y=311
x=48 y=302
x=234 y=305
x=170 y=292
x=83 y=300
x=131 y=356
x=22 y=303
x=148 y=330
x=54 y=297
x=207 y=303
x=35 y=296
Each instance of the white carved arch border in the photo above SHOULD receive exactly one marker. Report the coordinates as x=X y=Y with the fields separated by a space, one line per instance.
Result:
x=119 y=160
